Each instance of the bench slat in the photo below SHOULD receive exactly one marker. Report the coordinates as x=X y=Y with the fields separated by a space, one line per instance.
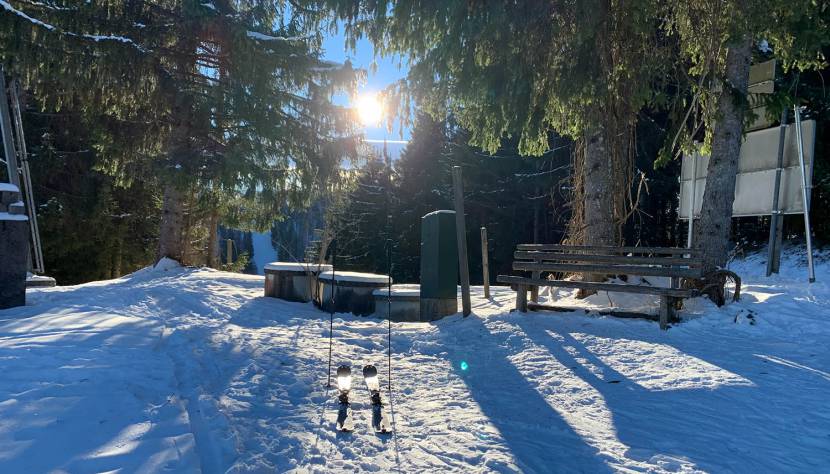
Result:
x=609 y=259
x=611 y=249
x=651 y=290
x=608 y=270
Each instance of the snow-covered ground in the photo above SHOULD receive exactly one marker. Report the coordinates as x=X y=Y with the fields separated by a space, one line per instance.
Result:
x=188 y=370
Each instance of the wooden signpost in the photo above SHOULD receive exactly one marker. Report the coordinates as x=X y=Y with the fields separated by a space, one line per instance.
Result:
x=461 y=237
x=485 y=264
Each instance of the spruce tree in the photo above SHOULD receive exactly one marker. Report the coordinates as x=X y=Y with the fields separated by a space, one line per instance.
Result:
x=510 y=195
x=229 y=101
x=522 y=69
x=719 y=40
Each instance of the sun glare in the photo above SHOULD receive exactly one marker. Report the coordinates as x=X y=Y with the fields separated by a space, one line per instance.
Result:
x=369 y=109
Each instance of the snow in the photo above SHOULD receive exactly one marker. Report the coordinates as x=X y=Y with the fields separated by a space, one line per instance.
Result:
x=122 y=39
x=400 y=290
x=264 y=251
x=8 y=187
x=5 y=216
x=297 y=267
x=192 y=370
x=354 y=277
x=440 y=212
x=166 y=264
x=7 y=6
x=263 y=37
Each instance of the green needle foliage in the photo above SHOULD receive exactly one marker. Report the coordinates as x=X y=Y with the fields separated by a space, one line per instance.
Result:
x=227 y=103
x=519 y=68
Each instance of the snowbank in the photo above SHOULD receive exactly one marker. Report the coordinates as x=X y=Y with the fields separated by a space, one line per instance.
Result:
x=165 y=264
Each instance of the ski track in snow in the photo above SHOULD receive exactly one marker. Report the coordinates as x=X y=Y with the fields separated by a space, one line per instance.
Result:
x=192 y=370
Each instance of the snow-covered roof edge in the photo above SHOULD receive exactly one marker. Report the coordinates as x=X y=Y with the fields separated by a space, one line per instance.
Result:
x=355 y=277
x=443 y=211
x=8 y=187
x=297 y=266
x=400 y=290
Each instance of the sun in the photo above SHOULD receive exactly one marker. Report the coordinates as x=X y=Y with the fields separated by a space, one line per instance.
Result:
x=369 y=109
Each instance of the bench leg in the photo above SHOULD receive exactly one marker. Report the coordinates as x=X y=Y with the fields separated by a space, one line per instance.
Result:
x=521 y=298
x=666 y=311
x=534 y=290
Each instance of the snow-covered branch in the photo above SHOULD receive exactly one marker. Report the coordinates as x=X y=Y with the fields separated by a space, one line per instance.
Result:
x=42 y=24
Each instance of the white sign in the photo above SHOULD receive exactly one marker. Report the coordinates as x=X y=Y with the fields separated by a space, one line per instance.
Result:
x=756 y=173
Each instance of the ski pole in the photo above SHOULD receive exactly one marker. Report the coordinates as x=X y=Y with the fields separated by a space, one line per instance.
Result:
x=331 y=306
x=389 y=314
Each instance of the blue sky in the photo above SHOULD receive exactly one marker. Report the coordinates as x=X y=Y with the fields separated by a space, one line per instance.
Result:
x=386 y=73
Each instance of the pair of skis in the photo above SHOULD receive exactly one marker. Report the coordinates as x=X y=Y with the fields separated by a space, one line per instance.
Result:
x=345 y=418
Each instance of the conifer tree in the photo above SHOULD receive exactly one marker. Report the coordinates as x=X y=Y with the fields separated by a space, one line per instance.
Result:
x=229 y=101
x=719 y=40
x=522 y=69
x=510 y=195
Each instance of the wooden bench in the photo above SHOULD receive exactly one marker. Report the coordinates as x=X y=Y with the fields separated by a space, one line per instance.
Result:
x=559 y=260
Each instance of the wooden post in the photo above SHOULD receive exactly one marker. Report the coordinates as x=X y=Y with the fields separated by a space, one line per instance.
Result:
x=521 y=298
x=534 y=290
x=461 y=237
x=229 y=251
x=776 y=223
x=485 y=264
x=667 y=311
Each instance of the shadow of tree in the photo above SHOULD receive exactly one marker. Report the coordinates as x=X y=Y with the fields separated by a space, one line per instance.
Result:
x=540 y=440
x=681 y=424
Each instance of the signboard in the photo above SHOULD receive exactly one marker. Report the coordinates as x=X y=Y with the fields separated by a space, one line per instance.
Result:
x=761 y=82
x=756 y=173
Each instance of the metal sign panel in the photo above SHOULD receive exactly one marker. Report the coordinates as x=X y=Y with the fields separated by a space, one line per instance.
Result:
x=756 y=173
x=761 y=82
x=762 y=72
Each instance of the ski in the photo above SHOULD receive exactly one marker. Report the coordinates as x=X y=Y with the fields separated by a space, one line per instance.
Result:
x=345 y=420
x=380 y=422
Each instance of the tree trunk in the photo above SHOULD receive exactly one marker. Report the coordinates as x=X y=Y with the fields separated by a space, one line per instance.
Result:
x=119 y=250
x=536 y=212
x=597 y=183
x=213 y=240
x=598 y=203
x=712 y=233
x=171 y=231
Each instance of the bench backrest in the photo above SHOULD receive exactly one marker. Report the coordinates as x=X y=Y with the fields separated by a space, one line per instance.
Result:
x=642 y=261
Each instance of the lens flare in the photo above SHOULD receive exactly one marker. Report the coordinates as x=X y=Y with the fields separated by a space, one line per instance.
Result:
x=464 y=365
x=369 y=109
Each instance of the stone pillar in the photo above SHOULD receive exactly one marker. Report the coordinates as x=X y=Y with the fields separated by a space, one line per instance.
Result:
x=439 y=266
x=14 y=247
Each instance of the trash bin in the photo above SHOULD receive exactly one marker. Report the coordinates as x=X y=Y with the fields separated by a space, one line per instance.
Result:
x=439 y=265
